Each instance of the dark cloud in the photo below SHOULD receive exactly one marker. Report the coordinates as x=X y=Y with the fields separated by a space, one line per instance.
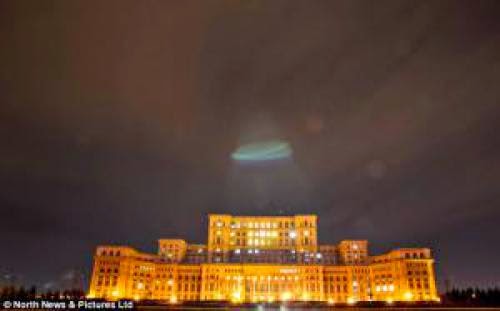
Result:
x=118 y=120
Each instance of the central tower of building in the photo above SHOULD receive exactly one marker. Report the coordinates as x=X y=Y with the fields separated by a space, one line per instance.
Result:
x=265 y=239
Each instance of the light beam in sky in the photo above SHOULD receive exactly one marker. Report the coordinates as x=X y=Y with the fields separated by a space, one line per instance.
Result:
x=262 y=151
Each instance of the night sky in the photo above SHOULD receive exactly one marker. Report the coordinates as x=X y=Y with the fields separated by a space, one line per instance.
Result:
x=118 y=120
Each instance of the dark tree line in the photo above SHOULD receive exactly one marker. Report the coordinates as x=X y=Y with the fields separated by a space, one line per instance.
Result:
x=21 y=293
x=12 y=292
x=473 y=297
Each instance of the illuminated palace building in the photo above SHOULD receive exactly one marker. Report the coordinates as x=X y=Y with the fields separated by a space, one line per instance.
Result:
x=256 y=259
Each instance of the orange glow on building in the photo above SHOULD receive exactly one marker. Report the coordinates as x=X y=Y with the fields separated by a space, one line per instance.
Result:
x=263 y=259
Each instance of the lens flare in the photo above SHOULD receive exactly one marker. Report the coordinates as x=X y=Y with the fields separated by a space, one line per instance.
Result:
x=262 y=151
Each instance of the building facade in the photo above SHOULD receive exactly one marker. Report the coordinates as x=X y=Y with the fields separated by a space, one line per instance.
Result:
x=263 y=259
